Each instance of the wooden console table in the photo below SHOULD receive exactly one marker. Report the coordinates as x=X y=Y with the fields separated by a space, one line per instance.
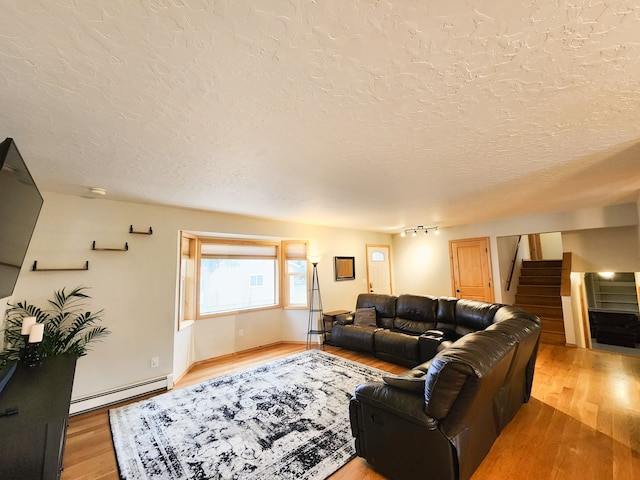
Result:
x=32 y=440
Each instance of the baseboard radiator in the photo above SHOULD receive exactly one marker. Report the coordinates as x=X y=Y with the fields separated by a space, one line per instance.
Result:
x=110 y=397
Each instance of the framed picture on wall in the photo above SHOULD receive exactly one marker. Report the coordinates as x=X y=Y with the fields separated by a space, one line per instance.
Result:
x=345 y=268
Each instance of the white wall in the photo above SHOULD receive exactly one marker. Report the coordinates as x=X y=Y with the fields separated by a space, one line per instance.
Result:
x=137 y=288
x=421 y=264
x=551 y=246
x=506 y=247
x=572 y=312
x=606 y=249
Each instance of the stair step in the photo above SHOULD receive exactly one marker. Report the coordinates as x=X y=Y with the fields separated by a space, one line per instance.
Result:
x=554 y=301
x=553 y=338
x=552 y=325
x=542 y=263
x=539 y=293
x=541 y=272
x=537 y=280
x=542 y=310
x=539 y=290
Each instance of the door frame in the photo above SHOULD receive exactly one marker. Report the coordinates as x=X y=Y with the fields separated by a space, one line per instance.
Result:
x=366 y=254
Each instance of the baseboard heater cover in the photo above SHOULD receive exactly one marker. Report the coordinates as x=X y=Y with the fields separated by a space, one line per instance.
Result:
x=103 y=399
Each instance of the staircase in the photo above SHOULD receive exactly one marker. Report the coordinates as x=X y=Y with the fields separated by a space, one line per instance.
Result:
x=539 y=293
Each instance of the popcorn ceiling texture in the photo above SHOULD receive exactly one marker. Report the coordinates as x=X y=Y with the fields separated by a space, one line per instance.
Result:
x=371 y=114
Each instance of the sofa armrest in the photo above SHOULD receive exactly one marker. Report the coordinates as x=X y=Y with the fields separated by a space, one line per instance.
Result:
x=402 y=403
x=428 y=344
x=344 y=318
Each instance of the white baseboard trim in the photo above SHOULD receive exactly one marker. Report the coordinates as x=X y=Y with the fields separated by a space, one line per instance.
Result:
x=103 y=399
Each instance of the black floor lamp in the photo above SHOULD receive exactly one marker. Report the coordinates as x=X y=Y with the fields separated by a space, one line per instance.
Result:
x=316 y=322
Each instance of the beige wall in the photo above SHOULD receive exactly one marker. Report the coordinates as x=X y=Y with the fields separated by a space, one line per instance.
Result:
x=137 y=288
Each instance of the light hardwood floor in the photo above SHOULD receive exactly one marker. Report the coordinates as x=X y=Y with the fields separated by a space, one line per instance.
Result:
x=583 y=420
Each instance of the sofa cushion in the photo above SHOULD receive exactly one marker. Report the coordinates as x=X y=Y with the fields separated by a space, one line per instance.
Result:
x=365 y=317
x=517 y=388
x=473 y=356
x=472 y=315
x=397 y=347
x=506 y=312
x=385 y=306
x=415 y=313
x=414 y=327
x=353 y=337
x=446 y=312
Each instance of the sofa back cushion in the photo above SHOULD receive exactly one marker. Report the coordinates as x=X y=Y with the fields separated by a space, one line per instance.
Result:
x=525 y=330
x=385 y=306
x=446 y=313
x=415 y=313
x=464 y=378
x=506 y=312
x=472 y=315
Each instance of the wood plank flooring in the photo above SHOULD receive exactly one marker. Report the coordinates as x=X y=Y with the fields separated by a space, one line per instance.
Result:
x=583 y=420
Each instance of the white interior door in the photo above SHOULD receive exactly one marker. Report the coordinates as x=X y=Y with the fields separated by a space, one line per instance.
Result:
x=379 y=269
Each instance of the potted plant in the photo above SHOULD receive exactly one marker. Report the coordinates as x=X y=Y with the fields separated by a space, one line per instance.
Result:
x=67 y=327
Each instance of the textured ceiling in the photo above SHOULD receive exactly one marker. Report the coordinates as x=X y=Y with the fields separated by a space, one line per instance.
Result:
x=372 y=114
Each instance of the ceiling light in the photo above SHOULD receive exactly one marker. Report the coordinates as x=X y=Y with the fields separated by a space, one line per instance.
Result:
x=97 y=191
x=420 y=228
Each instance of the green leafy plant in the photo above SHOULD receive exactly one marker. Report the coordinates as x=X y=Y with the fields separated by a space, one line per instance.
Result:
x=67 y=328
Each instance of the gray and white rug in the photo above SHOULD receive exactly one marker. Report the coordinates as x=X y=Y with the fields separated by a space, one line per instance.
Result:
x=287 y=419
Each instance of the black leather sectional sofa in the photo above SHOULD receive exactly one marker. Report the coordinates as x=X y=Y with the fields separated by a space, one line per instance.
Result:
x=472 y=366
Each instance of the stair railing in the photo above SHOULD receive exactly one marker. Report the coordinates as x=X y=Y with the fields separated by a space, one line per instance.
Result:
x=513 y=263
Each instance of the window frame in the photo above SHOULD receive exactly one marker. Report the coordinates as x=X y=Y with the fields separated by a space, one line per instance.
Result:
x=285 y=250
x=237 y=242
x=187 y=280
x=286 y=275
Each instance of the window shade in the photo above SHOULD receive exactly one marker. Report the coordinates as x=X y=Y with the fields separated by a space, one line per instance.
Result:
x=227 y=250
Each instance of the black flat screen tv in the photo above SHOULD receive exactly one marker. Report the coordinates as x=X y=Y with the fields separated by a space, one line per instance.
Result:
x=20 y=205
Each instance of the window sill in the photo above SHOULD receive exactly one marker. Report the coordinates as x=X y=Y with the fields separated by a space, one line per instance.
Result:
x=185 y=324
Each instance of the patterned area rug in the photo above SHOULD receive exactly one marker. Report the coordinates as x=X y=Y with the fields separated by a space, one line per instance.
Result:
x=287 y=419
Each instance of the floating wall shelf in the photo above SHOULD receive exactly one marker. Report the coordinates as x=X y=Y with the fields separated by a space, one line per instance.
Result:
x=36 y=269
x=103 y=249
x=149 y=232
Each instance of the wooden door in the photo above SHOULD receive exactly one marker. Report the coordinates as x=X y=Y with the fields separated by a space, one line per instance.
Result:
x=379 y=269
x=471 y=269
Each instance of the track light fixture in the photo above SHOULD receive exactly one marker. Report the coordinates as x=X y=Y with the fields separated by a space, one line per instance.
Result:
x=419 y=229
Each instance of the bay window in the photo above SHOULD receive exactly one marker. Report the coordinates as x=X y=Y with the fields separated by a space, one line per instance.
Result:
x=235 y=275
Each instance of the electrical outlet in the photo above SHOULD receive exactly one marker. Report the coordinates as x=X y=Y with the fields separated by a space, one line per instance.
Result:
x=240 y=333
x=155 y=361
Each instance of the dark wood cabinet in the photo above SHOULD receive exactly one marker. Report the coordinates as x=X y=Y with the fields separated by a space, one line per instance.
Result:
x=32 y=440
